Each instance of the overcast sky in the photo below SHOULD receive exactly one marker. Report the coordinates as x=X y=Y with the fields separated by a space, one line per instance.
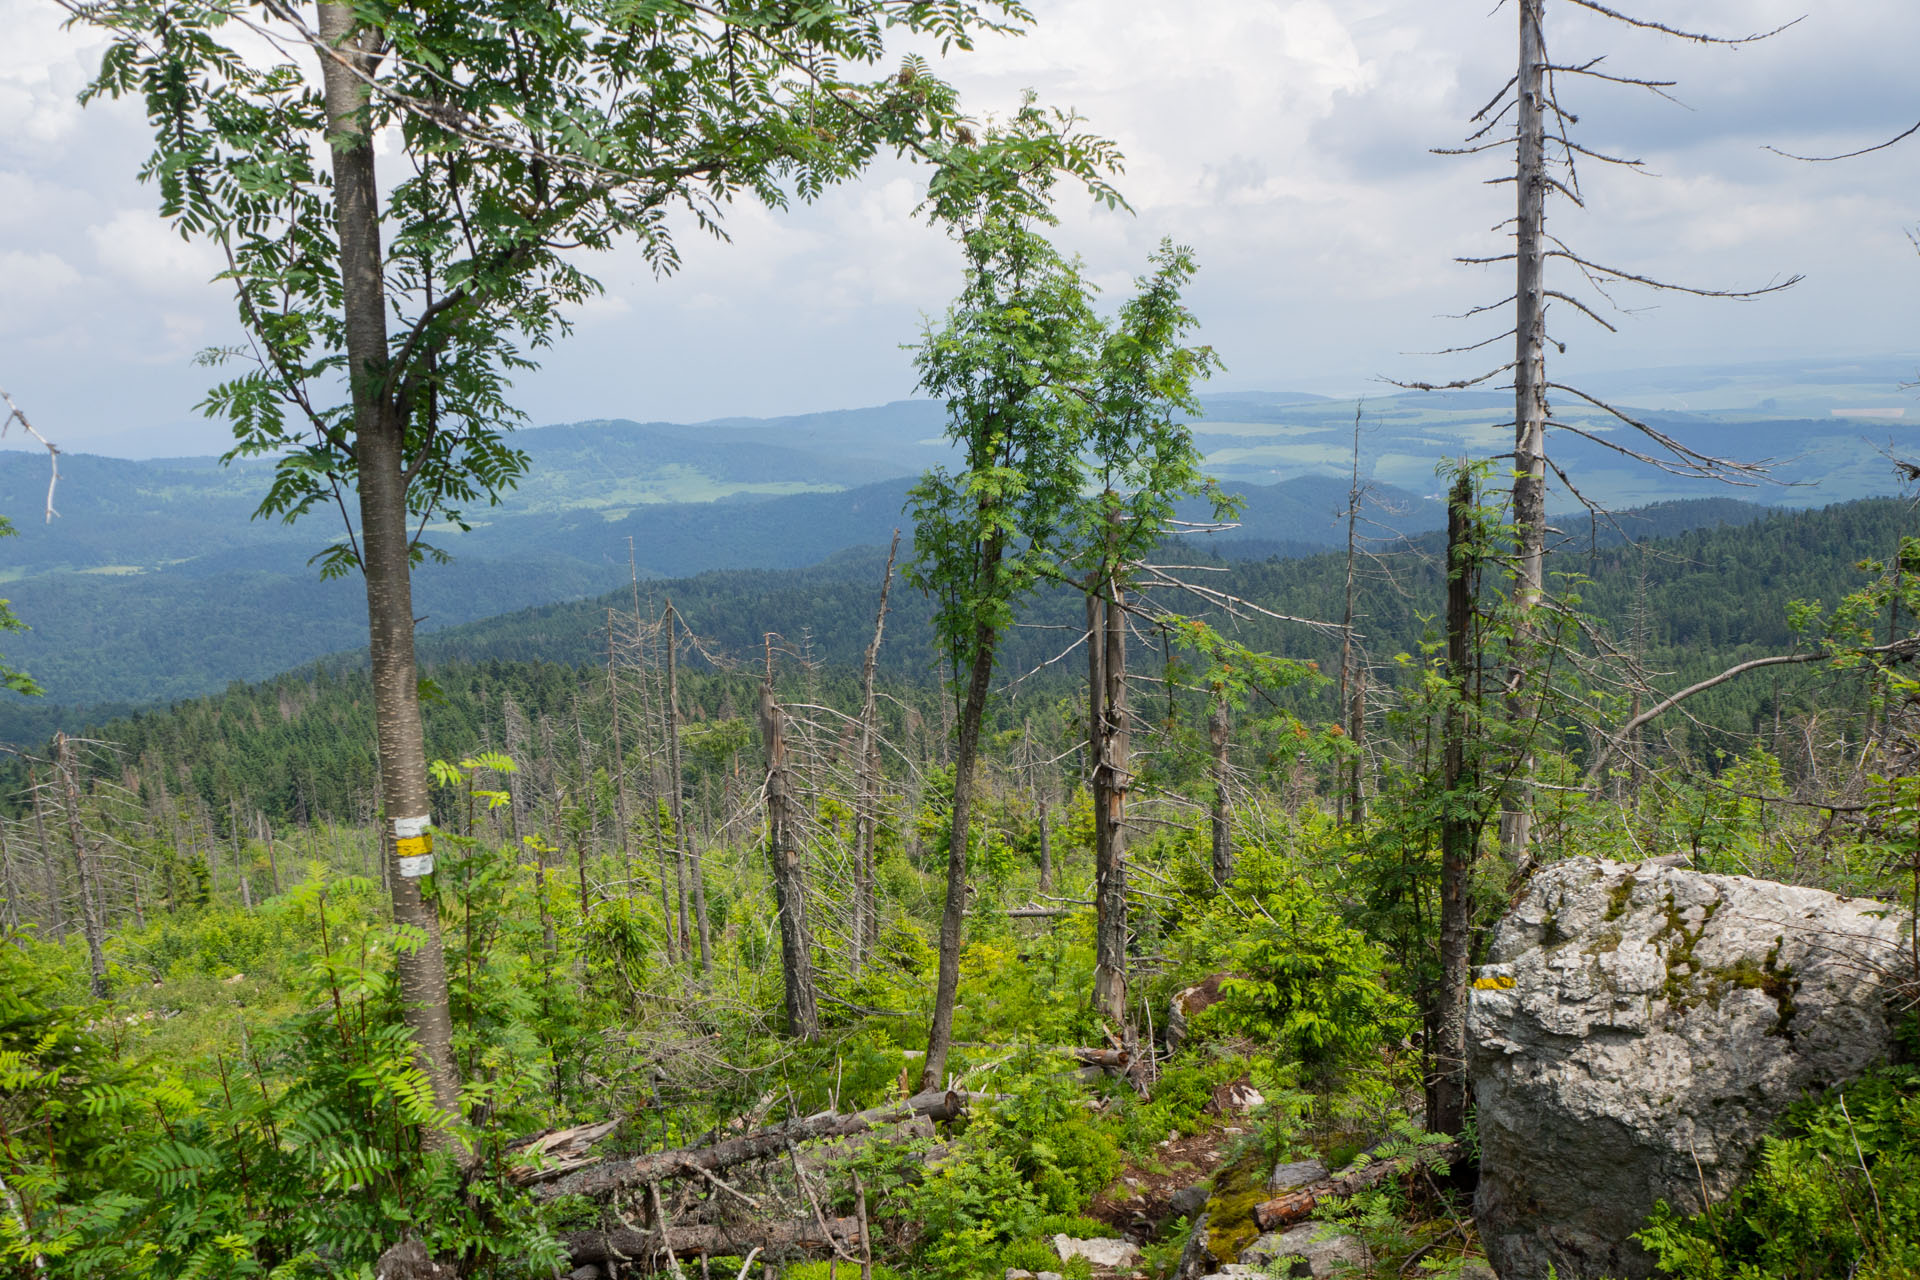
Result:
x=1288 y=141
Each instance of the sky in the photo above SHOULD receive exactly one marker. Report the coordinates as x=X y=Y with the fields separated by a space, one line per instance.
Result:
x=1289 y=142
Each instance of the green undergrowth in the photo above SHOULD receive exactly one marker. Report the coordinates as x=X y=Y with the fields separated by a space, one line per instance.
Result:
x=1836 y=1194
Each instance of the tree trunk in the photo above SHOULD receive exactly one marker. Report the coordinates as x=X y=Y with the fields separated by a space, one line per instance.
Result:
x=1107 y=742
x=1350 y=801
x=1530 y=408
x=867 y=819
x=789 y=876
x=689 y=851
x=649 y=1249
x=1447 y=1068
x=91 y=924
x=636 y=1171
x=49 y=866
x=1219 y=734
x=273 y=860
x=620 y=814
x=1046 y=848
x=953 y=916
x=383 y=550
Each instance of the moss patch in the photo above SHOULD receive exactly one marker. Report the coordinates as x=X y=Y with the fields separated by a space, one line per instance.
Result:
x=1237 y=1189
x=1770 y=976
x=1681 y=968
x=1618 y=898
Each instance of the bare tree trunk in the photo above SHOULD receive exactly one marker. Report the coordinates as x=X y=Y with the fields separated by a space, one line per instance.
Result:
x=383 y=549
x=1107 y=742
x=14 y=895
x=1350 y=801
x=91 y=923
x=620 y=815
x=1447 y=1070
x=49 y=866
x=1219 y=734
x=789 y=875
x=689 y=851
x=273 y=860
x=1046 y=848
x=866 y=921
x=1530 y=404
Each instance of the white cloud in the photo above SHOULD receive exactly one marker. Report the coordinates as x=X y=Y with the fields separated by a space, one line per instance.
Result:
x=138 y=248
x=1287 y=140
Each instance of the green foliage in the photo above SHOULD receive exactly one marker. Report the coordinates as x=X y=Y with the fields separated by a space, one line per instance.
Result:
x=18 y=681
x=1836 y=1194
x=1305 y=982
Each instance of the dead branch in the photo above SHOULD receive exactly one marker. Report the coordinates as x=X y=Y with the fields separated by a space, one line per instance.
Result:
x=709 y=1240
x=615 y=1175
x=1900 y=649
x=16 y=414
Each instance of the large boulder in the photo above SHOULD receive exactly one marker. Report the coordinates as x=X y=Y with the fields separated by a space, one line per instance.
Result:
x=1639 y=1030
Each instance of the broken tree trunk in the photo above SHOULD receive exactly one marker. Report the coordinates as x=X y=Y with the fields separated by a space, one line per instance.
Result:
x=698 y=1240
x=1298 y=1206
x=614 y=1175
x=789 y=874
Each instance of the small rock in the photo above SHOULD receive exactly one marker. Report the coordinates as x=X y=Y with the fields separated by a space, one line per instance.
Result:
x=1188 y=1202
x=1300 y=1173
x=1015 y=1273
x=1315 y=1255
x=1049 y=1275
x=1111 y=1254
x=1475 y=1270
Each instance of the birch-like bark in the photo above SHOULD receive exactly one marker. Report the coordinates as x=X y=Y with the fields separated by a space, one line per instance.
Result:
x=383 y=546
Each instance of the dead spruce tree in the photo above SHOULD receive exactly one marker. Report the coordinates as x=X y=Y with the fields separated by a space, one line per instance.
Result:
x=1527 y=115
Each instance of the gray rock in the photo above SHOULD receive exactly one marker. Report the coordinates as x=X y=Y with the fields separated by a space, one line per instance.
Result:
x=1196 y=1260
x=1111 y=1254
x=1049 y=1275
x=1638 y=1031
x=1301 y=1173
x=1475 y=1270
x=1187 y=1202
x=1314 y=1253
x=1015 y=1273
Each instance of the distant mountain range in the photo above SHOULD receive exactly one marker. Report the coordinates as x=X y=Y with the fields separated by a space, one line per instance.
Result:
x=156 y=583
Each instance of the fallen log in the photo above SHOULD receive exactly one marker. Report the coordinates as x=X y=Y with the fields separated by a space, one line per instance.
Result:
x=616 y=1175
x=586 y=1248
x=1298 y=1206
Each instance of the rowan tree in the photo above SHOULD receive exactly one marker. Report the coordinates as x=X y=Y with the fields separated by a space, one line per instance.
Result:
x=384 y=313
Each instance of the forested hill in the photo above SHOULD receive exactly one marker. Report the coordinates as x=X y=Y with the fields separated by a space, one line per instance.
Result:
x=153 y=619
x=1706 y=597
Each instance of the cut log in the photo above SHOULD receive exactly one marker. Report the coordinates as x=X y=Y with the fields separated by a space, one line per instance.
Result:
x=1298 y=1206
x=585 y=1248
x=616 y=1175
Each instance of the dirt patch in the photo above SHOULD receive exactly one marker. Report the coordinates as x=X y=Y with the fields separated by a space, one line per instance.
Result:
x=1140 y=1201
